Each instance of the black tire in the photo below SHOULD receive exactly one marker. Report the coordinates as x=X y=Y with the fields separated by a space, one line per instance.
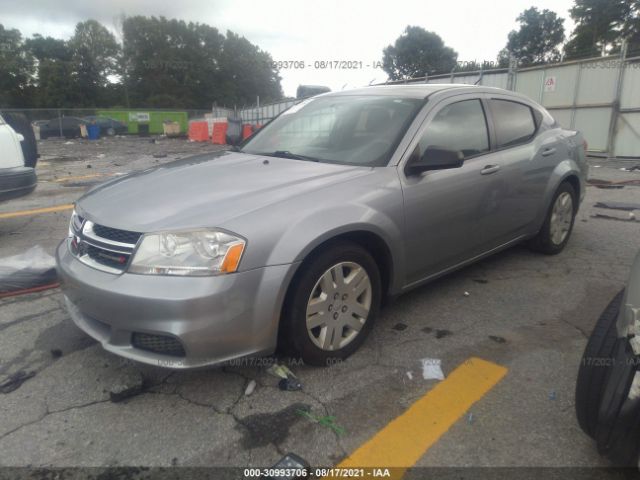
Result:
x=596 y=366
x=542 y=242
x=294 y=335
x=29 y=145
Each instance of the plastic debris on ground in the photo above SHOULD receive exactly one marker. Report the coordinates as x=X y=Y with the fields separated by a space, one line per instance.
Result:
x=432 y=369
x=288 y=381
x=28 y=270
x=251 y=386
x=410 y=375
x=466 y=294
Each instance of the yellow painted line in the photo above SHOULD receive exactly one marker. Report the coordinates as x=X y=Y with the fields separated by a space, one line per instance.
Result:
x=36 y=211
x=401 y=443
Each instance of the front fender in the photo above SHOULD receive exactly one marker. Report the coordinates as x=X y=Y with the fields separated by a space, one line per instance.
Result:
x=308 y=233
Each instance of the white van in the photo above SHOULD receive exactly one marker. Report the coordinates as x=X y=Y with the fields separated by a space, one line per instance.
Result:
x=16 y=179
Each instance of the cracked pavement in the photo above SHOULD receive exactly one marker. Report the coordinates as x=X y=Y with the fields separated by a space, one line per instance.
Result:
x=543 y=307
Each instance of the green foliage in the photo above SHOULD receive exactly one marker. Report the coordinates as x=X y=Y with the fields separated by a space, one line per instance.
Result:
x=161 y=63
x=537 y=40
x=16 y=69
x=417 y=53
x=599 y=27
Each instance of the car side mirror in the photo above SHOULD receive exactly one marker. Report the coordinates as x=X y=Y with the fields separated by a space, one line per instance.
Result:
x=435 y=158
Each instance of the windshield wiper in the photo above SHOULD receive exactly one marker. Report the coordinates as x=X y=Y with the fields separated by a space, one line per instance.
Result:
x=291 y=155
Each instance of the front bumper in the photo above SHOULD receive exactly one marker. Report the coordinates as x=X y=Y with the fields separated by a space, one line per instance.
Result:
x=215 y=319
x=16 y=182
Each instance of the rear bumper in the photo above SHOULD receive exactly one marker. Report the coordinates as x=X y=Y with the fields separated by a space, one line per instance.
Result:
x=16 y=182
x=214 y=319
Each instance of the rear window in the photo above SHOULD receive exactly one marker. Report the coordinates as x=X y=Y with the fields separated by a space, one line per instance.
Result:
x=514 y=122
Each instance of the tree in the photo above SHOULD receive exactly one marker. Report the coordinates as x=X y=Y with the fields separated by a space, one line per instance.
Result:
x=94 y=57
x=416 y=53
x=193 y=65
x=54 y=72
x=16 y=69
x=599 y=26
x=537 y=39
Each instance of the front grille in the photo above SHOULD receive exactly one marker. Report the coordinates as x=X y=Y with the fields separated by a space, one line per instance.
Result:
x=161 y=344
x=104 y=248
x=108 y=258
x=122 y=236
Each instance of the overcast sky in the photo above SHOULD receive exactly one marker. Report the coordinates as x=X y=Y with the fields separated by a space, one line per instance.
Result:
x=305 y=30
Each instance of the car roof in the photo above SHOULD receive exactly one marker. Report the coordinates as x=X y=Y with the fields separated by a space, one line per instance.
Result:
x=422 y=90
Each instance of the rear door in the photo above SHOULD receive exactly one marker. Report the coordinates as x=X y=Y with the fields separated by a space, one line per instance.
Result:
x=518 y=186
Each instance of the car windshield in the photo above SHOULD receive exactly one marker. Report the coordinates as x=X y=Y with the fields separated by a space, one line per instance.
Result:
x=354 y=130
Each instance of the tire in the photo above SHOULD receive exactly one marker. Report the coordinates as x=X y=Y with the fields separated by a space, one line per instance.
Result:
x=29 y=145
x=545 y=241
x=596 y=366
x=347 y=258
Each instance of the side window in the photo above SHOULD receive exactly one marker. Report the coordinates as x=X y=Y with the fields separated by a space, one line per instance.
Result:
x=514 y=122
x=459 y=126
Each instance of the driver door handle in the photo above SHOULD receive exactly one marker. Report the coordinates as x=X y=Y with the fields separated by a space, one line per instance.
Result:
x=489 y=169
x=548 y=151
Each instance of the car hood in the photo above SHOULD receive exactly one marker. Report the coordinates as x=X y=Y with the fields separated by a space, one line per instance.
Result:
x=205 y=190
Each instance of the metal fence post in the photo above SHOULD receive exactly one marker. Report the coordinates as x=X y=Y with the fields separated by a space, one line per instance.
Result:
x=615 y=106
x=60 y=121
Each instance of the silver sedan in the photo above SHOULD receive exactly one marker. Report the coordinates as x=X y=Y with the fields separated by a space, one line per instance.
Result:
x=294 y=239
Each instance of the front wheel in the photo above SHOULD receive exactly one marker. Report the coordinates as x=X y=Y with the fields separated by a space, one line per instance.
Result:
x=558 y=225
x=332 y=304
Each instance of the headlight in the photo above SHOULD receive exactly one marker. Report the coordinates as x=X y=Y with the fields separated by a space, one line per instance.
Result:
x=203 y=252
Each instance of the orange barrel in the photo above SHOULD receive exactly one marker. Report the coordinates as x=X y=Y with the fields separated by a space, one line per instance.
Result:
x=219 y=134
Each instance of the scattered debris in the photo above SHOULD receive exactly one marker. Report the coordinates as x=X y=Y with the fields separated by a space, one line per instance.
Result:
x=288 y=381
x=498 y=339
x=21 y=273
x=410 y=375
x=431 y=369
x=399 y=327
x=174 y=461
x=427 y=329
x=159 y=155
x=618 y=206
x=291 y=462
x=470 y=418
x=56 y=353
x=89 y=165
x=466 y=294
x=552 y=395
x=611 y=217
x=251 y=386
x=69 y=143
x=481 y=280
x=129 y=387
x=280 y=371
x=635 y=167
x=442 y=333
x=290 y=384
x=609 y=187
x=327 y=421
x=101 y=155
x=15 y=381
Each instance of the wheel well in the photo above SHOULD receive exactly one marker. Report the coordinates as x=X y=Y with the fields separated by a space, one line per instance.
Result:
x=369 y=241
x=574 y=182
